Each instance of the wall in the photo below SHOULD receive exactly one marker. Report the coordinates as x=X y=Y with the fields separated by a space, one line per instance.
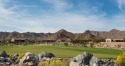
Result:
x=115 y=45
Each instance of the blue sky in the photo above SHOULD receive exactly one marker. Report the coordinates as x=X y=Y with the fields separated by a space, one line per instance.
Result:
x=52 y=15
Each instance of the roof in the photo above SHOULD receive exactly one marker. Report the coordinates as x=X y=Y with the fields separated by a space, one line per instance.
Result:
x=20 y=38
x=115 y=39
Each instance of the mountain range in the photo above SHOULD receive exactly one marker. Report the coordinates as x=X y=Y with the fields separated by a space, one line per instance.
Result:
x=63 y=34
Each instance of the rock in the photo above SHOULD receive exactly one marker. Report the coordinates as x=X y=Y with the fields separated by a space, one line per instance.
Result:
x=72 y=63
x=78 y=58
x=30 y=59
x=94 y=64
x=87 y=59
x=94 y=61
x=46 y=56
x=15 y=58
x=3 y=54
x=4 y=59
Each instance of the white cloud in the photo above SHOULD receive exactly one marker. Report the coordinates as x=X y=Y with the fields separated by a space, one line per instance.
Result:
x=69 y=21
x=121 y=4
x=53 y=21
x=5 y=12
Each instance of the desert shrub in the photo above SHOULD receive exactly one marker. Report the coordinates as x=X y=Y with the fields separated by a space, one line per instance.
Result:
x=55 y=63
x=91 y=44
x=121 y=59
x=98 y=40
x=20 y=56
x=65 y=44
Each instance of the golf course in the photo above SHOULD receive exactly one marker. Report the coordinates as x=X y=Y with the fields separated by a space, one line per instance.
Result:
x=62 y=51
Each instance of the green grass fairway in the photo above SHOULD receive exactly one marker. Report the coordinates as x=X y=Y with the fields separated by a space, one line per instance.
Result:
x=62 y=51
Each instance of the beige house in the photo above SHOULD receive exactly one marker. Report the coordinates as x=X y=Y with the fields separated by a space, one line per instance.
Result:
x=108 y=40
x=114 y=40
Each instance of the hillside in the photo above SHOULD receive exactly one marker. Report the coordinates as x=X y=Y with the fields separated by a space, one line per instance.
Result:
x=85 y=36
x=113 y=34
x=30 y=35
x=63 y=34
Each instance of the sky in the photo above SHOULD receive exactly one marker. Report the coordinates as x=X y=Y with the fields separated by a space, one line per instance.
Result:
x=52 y=15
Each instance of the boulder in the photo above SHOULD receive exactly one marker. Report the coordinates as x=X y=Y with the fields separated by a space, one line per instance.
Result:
x=46 y=56
x=94 y=61
x=29 y=59
x=3 y=54
x=15 y=59
x=86 y=59
x=4 y=59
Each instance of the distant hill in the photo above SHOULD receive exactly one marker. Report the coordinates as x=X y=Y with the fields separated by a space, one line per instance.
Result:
x=63 y=34
x=113 y=34
x=30 y=35
x=86 y=36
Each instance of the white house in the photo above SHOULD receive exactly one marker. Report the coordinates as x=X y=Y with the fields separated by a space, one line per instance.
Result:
x=108 y=40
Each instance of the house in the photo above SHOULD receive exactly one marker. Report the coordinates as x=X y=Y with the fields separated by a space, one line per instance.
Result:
x=114 y=40
x=19 y=40
x=47 y=40
x=108 y=40
x=117 y=40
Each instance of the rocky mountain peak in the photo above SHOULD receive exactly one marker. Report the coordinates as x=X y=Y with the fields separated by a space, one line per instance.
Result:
x=61 y=31
x=87 y=31
x=114 y=30
x=61 y=34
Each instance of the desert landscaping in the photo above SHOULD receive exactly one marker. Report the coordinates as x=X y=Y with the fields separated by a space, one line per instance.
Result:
x=62 y=32
x=92 y=48
x=61 y=55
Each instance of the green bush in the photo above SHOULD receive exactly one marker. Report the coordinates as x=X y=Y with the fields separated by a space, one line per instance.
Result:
x=65 y=44
x=20 y=56
x=55 y=63
x=121 y=59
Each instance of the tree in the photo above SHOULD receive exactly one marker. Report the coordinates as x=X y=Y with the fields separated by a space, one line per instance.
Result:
x=98 y=40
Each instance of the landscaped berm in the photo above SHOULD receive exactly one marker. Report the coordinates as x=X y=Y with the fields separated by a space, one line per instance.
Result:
x=56 y=55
